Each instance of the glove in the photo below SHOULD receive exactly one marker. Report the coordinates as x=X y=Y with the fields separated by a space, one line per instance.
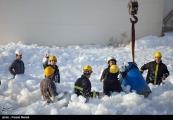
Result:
x=163 y=77
x=45 y=59
x=122 y=68
x=120 y=76
x=141 y=71
x=87 y=100
x=52 y=98
x=94 y=94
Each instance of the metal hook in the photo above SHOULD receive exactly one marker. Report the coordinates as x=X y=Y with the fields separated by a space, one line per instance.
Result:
x=135 y=19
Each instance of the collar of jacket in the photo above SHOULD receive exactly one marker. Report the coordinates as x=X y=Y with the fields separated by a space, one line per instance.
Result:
x=159 y=62
x=83 y=76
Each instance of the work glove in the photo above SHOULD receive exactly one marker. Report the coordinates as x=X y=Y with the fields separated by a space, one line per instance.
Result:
x=45 y=59
x=87 y=100
x=141 y=71
x=52 y=98
x=101 y=80
x=163 y=77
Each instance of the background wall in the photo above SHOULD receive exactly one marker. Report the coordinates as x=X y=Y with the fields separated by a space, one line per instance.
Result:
x=71 y=22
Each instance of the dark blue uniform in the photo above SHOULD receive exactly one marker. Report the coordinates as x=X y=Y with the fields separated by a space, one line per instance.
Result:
x=17 y=67
x=110 y=82
x=162 y=71
x=82 y=87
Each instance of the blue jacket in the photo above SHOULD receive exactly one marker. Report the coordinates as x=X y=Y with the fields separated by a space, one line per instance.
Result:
x=17 y=67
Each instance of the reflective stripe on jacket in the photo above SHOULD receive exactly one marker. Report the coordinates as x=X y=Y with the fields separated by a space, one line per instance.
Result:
x=83 y=86
x=155 y=72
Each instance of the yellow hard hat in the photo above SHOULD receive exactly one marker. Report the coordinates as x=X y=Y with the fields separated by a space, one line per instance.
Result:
x=52 y=58
x=48 y=71
x=87 y=68
x=158 y=54
x=113 y=69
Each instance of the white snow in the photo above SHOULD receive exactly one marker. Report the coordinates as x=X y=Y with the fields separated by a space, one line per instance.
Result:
x=22 y=94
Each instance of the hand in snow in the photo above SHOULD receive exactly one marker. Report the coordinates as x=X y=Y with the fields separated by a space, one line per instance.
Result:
x=141 y=71
x=164 y=77
x=52 y=98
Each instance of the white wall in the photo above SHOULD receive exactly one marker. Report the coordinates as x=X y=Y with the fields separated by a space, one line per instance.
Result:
x=69 y=22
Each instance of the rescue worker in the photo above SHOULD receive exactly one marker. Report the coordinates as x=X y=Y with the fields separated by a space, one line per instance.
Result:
x=82 y=85
x=17 y=66
x=157 y=70
x=109 y=77
x=47 y=86
x=53 y=60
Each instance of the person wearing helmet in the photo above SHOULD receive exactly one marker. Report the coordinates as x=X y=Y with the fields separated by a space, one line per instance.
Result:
x=47 y=86
x=17 y=66
x=109 y=77
x=53 y=60
x=82 y=85
x=157 y=70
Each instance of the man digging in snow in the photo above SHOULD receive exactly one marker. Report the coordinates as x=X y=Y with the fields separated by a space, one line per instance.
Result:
x=82 y=85
x=17 y=66
x=109 y=77
x=157 y=70
x=47 y=86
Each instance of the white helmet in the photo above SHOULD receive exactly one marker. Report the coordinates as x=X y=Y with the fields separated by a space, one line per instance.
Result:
x=110 y=58
x=18 y=52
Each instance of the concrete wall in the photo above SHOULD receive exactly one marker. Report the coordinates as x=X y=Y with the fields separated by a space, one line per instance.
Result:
x=71 y=22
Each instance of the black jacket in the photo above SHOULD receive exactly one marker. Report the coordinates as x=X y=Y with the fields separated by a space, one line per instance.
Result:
x=82 y=86
x=56 y=76
x=48 y=88
x=110 y=81
x=17 y=67
x=151 y=67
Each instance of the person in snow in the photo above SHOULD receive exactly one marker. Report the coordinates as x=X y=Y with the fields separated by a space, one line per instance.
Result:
x=47 y=86
x=109 y=77
x=82 y=85
x=17 y=66
x=53 y=60
x=157 y=70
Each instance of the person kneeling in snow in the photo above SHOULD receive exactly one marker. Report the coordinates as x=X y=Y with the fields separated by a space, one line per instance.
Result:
x=82 y=85
x=17 y=66
x=53 y=60
x=110 y=77
x=47 y=86
x=157 y=70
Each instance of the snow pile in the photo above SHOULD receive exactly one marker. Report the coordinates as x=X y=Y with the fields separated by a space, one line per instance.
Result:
x=22 y=94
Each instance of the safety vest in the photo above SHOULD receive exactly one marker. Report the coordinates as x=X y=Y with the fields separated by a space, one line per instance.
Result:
x=155 y=74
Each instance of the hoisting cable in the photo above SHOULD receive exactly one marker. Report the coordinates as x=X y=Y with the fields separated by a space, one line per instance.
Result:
x=133 y=9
